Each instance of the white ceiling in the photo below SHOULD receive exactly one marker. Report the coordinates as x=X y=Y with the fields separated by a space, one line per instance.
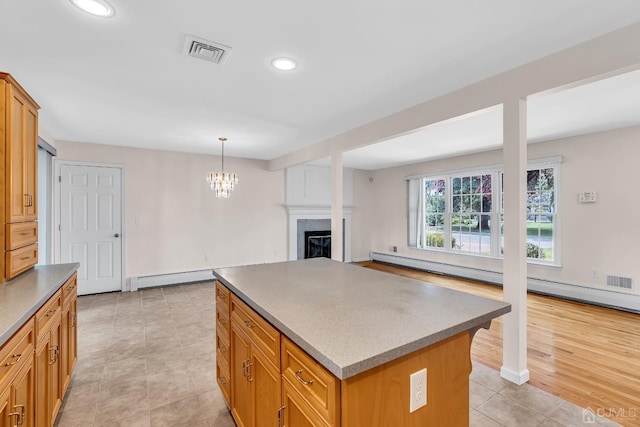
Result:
x=124 y=80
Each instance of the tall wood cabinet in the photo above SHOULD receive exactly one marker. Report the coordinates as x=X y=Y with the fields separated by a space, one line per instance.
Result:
x=19 y=153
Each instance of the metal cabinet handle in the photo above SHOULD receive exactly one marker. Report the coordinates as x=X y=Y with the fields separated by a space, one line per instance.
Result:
x=15 y=362
x=19 y=415
x=54 y=358
x=280 y=415
x=249 y=365
x=299 y=378
x=249 y=324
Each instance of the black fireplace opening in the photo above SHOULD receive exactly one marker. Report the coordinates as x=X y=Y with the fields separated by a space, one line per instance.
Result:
x=317 y=244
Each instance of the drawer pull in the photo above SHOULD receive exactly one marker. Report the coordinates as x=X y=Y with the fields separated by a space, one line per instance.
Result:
x=50 y=313
x=25 y=258
x=24 y=234
x=15 y=362
x=222 y=380
x=222 y=296
x=249 y=324
x=299 y=378
x=222 y=349
x=74 y=320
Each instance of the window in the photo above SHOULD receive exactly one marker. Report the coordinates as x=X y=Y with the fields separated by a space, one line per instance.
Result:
x=434 y=212
x=471 y=213
x=460 y=212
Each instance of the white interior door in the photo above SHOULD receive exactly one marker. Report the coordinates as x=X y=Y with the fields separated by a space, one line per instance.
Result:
x=91 y=225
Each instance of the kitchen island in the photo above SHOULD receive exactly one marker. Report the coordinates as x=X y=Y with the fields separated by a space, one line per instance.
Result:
x=338 y=343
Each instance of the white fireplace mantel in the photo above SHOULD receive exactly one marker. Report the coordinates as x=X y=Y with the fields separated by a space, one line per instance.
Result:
x=296 y=212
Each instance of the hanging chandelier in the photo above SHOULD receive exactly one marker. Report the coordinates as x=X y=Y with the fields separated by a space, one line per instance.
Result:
x=222 y=182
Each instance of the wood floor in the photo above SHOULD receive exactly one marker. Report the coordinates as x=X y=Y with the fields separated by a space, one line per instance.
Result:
x=584 y=354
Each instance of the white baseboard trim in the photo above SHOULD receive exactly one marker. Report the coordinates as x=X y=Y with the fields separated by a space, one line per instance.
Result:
x=140 y=282
x=518 y=378
x=602 y=297
x=360 y=259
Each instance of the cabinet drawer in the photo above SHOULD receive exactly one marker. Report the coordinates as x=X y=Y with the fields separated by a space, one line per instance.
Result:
x=222 y=348
x=15 y=352
x=51 y=310
x=222 y=297
x=297 y=412
x=222 y=322
x=19 y=260
x=21 y=234
x=318 y=387
x=70 y=289
x=223 y=377
x=265 y=336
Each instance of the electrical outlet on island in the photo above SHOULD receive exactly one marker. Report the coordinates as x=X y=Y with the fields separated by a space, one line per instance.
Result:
x=418 y=390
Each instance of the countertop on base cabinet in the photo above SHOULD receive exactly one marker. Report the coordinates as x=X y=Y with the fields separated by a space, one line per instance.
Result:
x=22 y=296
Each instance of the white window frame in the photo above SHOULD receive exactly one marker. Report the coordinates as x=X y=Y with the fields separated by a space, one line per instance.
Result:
x=416 y=213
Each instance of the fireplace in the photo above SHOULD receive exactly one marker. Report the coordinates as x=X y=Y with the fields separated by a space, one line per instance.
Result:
x=317 y=244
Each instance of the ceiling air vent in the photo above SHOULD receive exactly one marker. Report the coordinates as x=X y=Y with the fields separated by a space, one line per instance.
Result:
x=207 y=50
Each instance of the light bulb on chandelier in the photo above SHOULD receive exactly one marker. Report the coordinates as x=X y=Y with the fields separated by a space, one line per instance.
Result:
x=222 y=183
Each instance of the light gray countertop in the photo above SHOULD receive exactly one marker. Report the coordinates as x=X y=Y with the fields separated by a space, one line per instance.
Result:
x=350 y=318
x=22 y=296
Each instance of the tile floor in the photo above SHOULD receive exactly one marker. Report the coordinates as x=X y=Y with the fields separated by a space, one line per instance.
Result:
x=147 y=358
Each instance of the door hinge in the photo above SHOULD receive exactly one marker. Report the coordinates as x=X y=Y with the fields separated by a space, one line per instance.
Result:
x=59 y=227
x=59 y=178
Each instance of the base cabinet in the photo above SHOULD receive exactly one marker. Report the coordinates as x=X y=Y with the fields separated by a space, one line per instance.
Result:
x=36 y=363
x=256 y=382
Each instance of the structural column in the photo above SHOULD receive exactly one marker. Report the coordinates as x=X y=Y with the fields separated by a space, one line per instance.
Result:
x=514 y=367
x=337 y=207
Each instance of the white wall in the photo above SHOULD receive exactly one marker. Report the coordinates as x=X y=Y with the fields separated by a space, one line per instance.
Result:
x=181 y=220
x=600 y=236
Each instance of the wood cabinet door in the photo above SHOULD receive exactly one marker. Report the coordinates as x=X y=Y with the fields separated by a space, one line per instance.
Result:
x=5 y=409
x=21 y=160
x=266 y=389
x=22 y=392
x=72 y=349
x=31 y=163
x=42 y=382
x=55 y=397
x=241 y=399
x=65 y=373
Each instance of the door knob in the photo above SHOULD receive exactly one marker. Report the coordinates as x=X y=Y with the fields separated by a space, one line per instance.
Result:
x=116 y=235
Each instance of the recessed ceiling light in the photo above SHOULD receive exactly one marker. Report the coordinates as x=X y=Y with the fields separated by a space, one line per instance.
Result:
x=95 y=7
x=284 y=64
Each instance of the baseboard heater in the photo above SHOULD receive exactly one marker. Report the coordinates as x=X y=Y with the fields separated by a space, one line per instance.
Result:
x=601 y=297
x=141 y=282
